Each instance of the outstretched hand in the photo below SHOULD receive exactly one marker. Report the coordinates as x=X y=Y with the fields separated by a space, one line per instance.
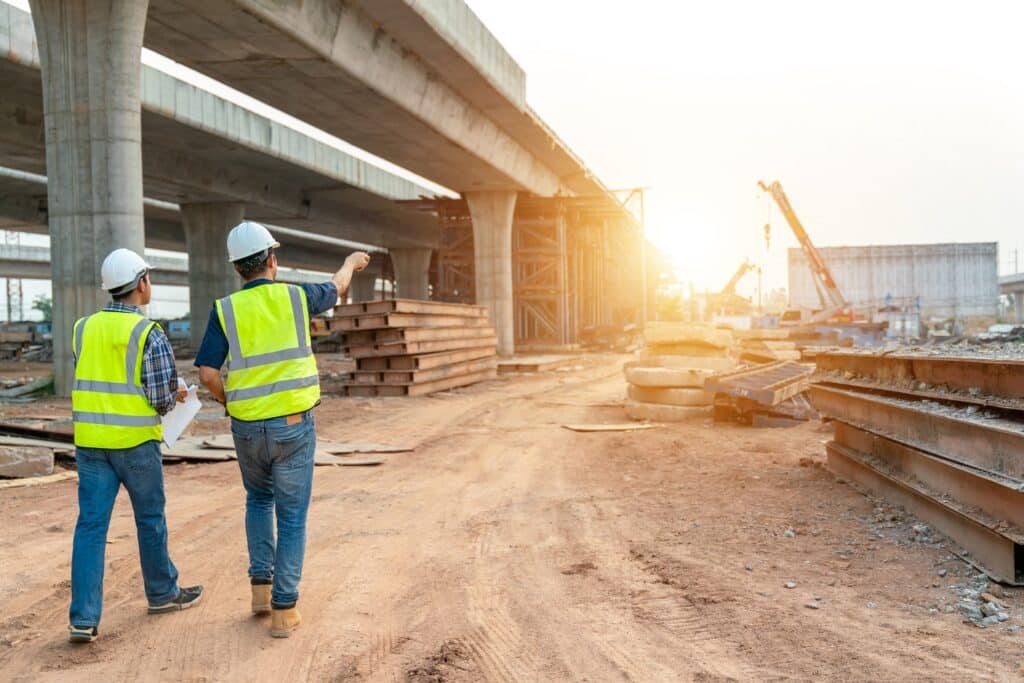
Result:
x=358 y=260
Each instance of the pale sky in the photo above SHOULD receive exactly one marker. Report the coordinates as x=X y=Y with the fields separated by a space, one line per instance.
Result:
x=886 y=122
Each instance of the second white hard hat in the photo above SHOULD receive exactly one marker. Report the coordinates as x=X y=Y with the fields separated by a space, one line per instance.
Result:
x=248 y=238
x=121 y=268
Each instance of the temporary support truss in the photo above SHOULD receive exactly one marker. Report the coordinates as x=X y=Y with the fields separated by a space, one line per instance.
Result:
x=576 y=266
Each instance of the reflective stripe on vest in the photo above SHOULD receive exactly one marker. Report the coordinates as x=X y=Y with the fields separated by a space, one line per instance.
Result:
x=262 y=384
x=109 y=405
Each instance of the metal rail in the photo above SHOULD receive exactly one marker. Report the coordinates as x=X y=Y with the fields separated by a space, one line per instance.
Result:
x=770 y=384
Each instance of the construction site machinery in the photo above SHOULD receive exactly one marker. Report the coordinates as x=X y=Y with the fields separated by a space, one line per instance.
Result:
x=727 y=299
x=834 y=306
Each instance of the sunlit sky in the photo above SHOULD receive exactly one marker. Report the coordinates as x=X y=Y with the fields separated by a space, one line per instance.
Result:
x=887 y=122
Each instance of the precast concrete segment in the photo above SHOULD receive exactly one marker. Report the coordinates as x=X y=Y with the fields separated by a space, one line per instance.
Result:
x=492 y=214
x=211 y=275
x=667 y=377
x=672 y=396
x=412 y=272
x=656 y=412
x=331 y=64
x=90 y=53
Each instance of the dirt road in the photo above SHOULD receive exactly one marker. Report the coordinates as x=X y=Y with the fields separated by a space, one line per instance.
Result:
x=506 y=548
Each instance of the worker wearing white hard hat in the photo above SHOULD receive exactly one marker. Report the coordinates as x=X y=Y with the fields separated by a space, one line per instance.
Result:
x=125 y=380
x=272 y=385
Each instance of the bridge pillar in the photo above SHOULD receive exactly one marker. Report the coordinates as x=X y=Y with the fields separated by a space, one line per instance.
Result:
x=90 y=54
x=412 y=271
x=210 y=274
x=1018 y=306
x=492 y=249
x=363 y=287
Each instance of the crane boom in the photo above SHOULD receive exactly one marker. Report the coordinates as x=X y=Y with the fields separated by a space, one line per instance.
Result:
x=730 y=287
x=823 y=281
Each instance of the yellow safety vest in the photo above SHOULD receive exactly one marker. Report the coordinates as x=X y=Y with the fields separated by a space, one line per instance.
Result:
x=271 y=368
x=108 y=403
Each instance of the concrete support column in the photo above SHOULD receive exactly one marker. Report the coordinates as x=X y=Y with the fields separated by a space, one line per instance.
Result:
x=412 y=272
x=1018 y=306
x=210 y=275
x=90 y=52
x=363 y=287
x=492 y=246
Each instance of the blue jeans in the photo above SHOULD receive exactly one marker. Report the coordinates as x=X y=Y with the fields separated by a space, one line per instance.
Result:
x=100 y=475
x=276 y=460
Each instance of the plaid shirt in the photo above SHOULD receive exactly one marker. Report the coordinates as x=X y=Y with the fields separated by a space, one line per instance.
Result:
x=159 y=376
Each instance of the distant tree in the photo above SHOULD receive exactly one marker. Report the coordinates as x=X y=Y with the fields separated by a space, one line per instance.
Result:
x=44 y=305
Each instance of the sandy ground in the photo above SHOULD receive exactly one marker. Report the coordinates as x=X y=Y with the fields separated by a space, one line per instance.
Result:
x=506 y=548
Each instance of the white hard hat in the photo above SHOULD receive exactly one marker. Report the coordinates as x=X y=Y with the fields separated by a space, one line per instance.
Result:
x=248 y=238
x=121 y=268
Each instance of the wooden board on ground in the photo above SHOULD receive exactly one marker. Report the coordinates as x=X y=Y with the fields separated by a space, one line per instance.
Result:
x=415 y=334
x=37 y=481
x=192 y=448
x=670 y=396
x=381 y=390
x=345 y=448
x=686 y=333
x=372 y=350
x=406 y=377
x=322 y=457
x=385 y=321
x=534 y=363
x=662 y=413
x=624 y=427
x=425 y=361
x=409 y=306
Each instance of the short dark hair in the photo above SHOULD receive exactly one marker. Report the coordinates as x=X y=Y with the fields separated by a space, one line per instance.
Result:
x=253 y=265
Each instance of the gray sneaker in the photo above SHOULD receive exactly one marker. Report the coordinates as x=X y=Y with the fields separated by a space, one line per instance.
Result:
x=187 y=597
x=82 y=634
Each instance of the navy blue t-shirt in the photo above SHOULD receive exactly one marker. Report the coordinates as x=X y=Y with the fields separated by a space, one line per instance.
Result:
x=214 y=349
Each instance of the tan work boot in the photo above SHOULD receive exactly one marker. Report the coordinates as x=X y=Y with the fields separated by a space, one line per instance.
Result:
x=284 y=621
x=261 y=599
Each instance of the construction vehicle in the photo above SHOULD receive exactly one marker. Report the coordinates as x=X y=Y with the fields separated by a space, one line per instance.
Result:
x=834 y=306
x=727 y=299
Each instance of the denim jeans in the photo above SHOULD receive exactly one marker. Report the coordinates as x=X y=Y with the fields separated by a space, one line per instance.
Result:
x=276 y=460
x=100 y=475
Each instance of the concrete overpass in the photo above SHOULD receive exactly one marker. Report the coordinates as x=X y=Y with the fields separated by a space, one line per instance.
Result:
x=188 y=148
x=1013 y=285
x=29 y=262
x=422 y=83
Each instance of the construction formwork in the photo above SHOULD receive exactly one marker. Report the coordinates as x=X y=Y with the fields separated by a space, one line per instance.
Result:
x=567 y=266
x=938 y=280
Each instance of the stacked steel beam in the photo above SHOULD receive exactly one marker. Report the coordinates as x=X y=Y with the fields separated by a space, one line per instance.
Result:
x=408 y=348
x=941 y=435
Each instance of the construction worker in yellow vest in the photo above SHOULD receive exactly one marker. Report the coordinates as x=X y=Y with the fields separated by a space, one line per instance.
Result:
x=124 y=381
x=272 y=384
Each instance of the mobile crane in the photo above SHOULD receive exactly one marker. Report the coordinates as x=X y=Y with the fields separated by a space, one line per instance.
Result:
x=834 y=306
x=728 y=298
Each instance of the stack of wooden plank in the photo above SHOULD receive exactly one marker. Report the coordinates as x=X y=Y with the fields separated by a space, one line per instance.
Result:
x=404 y=347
